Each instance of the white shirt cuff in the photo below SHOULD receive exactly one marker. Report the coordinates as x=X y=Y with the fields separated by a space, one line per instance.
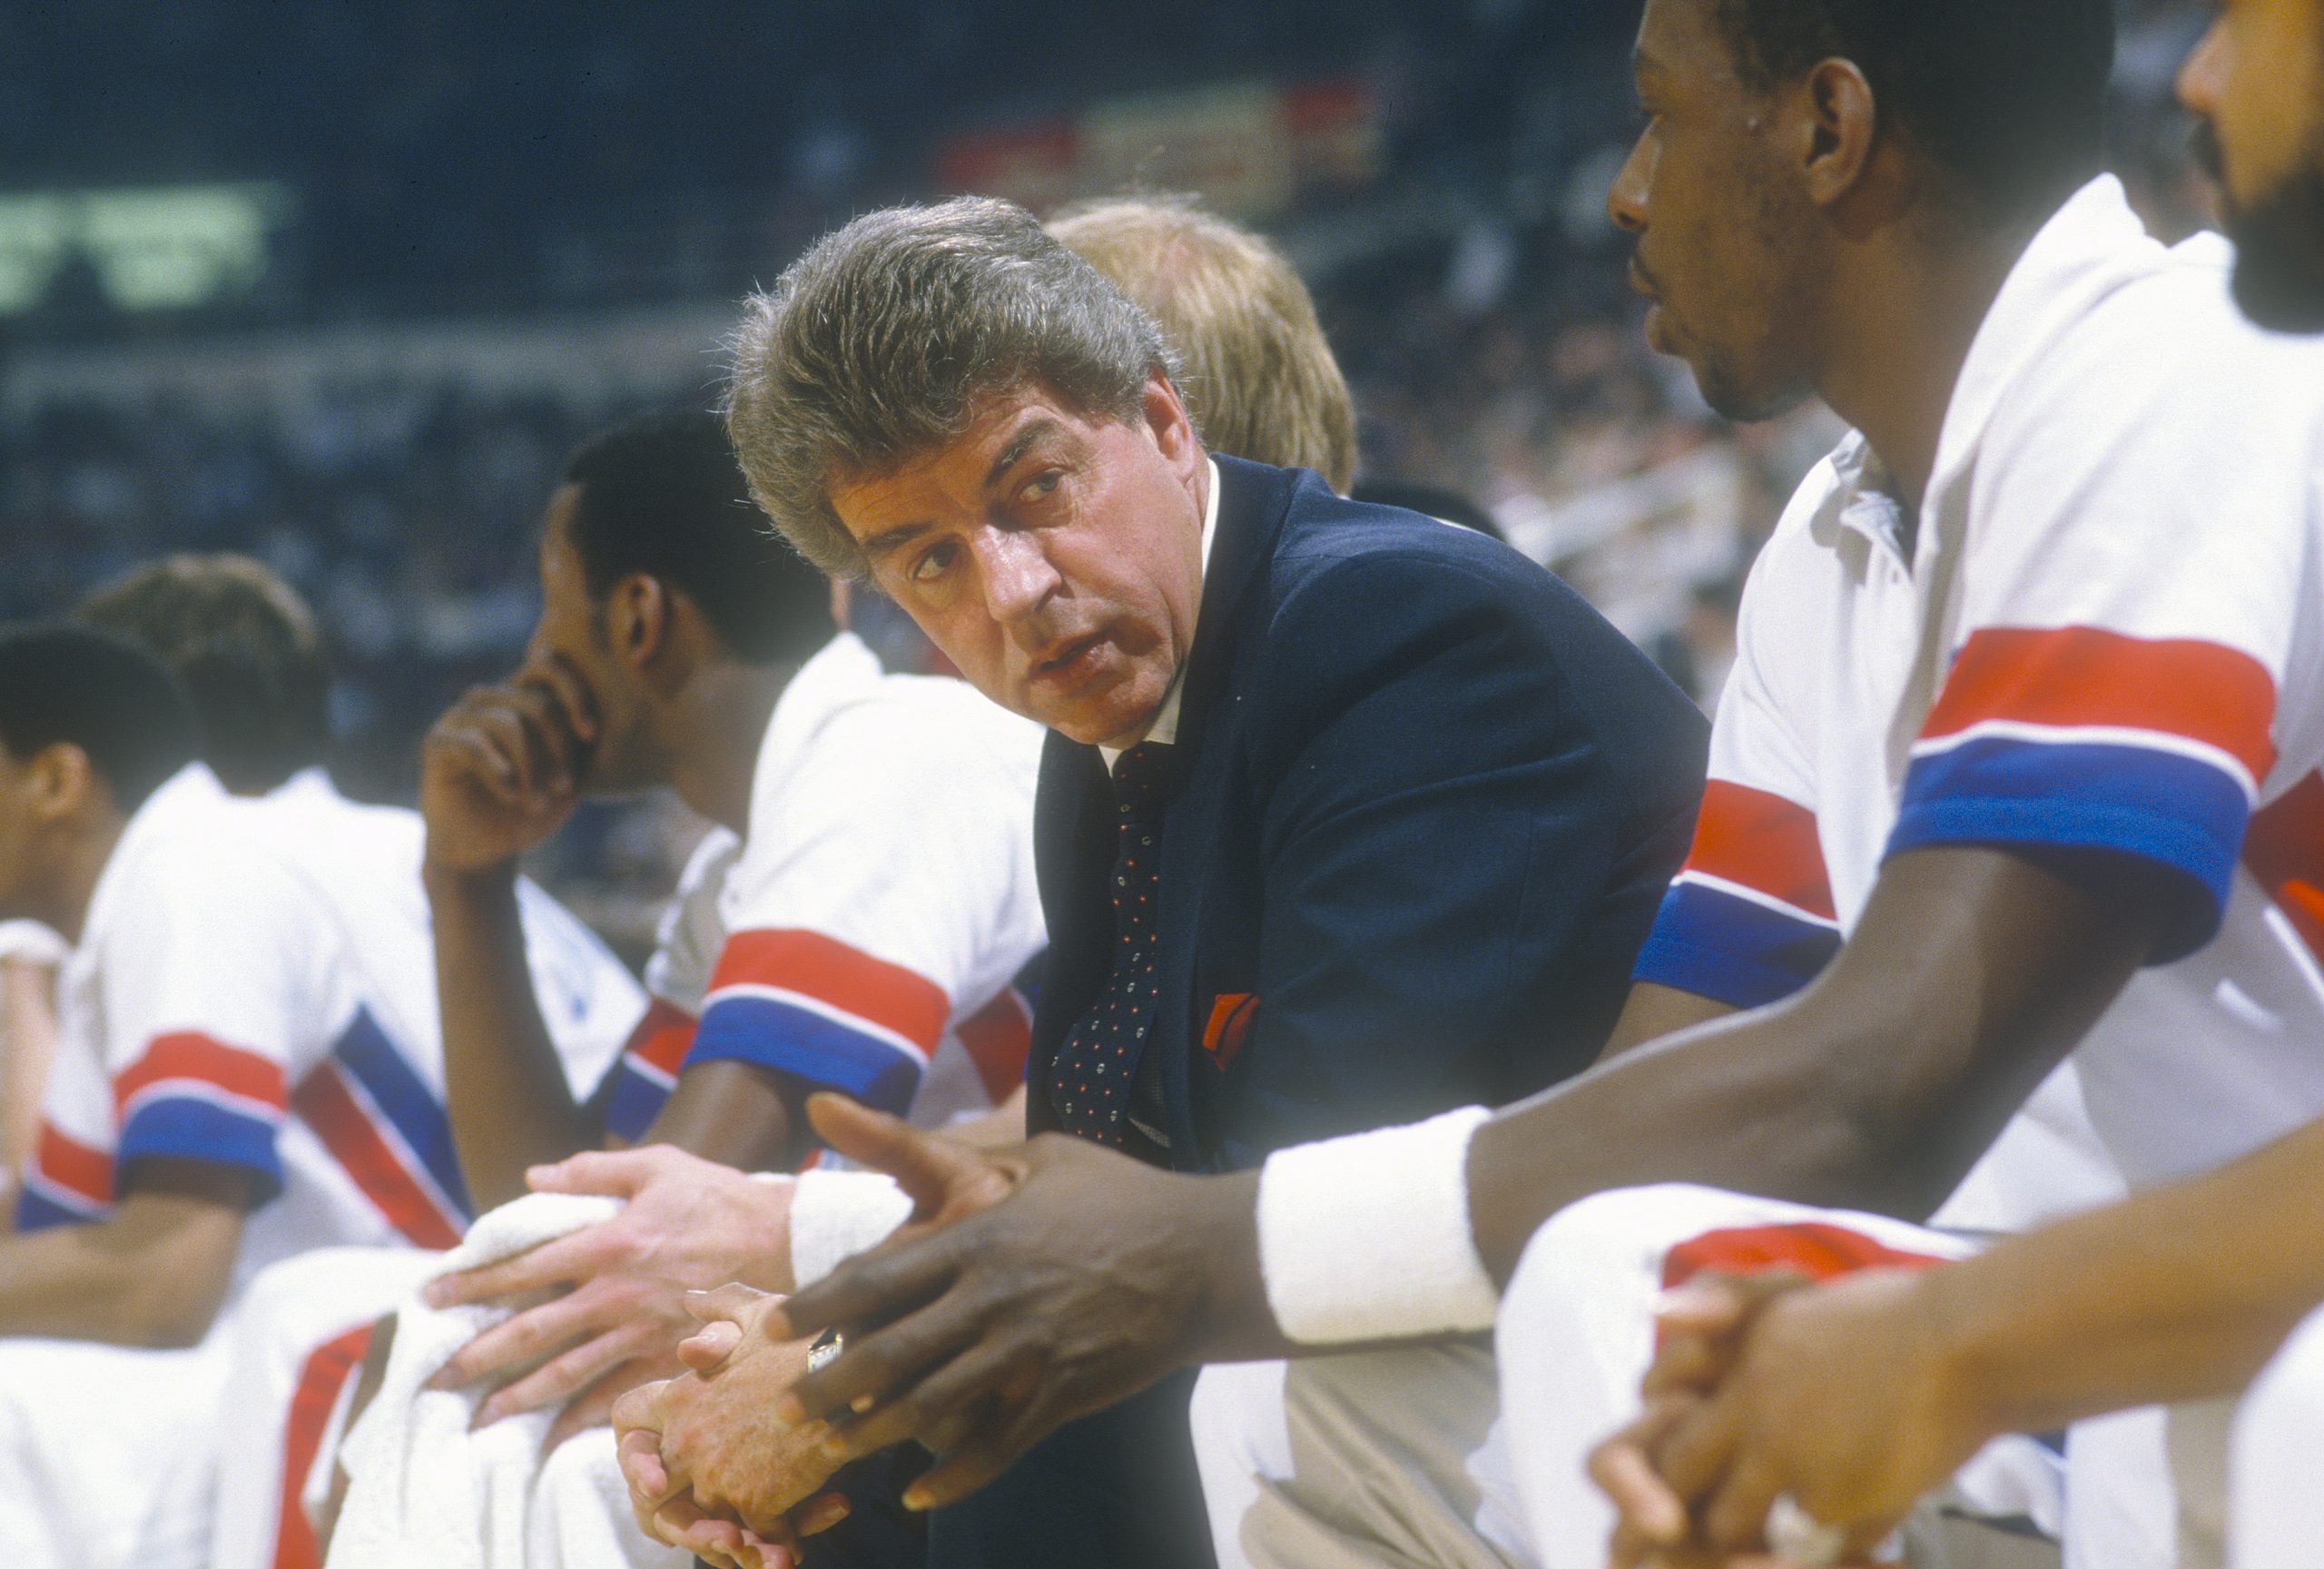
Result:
x=1367 y=1238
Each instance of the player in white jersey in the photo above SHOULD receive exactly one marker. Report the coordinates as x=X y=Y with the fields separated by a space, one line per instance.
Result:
x=2032 y=674
x=245 y=649
x=833 y=931
x=245 y=1071
x=2175 y=1295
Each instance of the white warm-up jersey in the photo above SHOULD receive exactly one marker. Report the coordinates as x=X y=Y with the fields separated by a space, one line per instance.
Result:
x=867 y=934
x=255 y=986
x=2108 y=638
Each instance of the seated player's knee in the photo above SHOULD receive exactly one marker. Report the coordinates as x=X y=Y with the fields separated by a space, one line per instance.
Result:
x=1238 y=1422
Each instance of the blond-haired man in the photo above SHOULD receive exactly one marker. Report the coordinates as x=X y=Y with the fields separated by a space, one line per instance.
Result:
x=1255 y=369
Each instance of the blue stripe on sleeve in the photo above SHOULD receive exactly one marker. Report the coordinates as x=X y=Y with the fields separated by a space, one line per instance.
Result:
x=636 y=1102
x=37 y=1212
x=185 y=1127
x=1731 y=950
x=807 y=1045
x=2177 y=812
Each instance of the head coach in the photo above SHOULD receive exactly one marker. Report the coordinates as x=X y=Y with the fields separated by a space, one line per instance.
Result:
x=1346 y=815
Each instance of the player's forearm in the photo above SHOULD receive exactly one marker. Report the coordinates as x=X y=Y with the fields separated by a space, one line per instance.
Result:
x=506 y=1092
x=736 y=1114
x=1972 y=973
x=153 y=1274
x=2179 y=1294
x=28 y=1034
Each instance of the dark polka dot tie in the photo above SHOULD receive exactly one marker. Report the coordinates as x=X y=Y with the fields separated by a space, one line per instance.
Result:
x=1091 y=1079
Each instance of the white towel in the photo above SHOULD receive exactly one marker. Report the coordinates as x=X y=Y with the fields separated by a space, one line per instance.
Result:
x=425 y=1491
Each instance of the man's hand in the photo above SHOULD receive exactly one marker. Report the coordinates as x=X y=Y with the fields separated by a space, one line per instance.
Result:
x=1031 y=1287
x=501 y=770
x=710 y=1467
x=621 y=1314
x=1838 y=1396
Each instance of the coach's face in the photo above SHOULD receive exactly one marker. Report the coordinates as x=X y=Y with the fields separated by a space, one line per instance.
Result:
x=1054 y=558
x=2257 y=80
x=1713 y=192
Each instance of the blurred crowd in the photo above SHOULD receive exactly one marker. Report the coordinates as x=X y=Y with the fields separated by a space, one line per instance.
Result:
x=1501 y=358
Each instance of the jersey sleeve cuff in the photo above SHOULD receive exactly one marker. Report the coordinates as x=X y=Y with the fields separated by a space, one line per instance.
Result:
x=2172 y=813
x=1731 y=950
x=187 y=1127
x=805 y=1045
x=1367 y=1238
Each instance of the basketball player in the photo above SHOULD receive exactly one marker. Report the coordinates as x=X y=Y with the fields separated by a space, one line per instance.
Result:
x=245 y=649
x=856 y=919
x=248 y=1069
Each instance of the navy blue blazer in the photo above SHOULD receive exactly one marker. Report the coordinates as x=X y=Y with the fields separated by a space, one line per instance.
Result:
x=1431 y=802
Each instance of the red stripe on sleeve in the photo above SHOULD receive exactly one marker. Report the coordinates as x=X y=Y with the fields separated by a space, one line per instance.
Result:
x=2081 y=676
x=325 y=1105
x=1763 y=842
x=1809 y=1247
x=190 y=1055
x=998 y=1037
x=74 y=1166
x=840 y=977
x=662 y=1036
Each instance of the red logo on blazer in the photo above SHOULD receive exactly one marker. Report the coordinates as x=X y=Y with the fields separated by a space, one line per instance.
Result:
x=1230 y=1022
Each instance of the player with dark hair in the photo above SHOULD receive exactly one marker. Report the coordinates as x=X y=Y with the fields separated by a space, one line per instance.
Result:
x=218 y=992
x=1862 y=1397
x=246 y=650
x=856 y=919
x=2026 y=659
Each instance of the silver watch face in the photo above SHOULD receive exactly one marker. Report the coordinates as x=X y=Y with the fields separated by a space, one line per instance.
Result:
x=825 y=1352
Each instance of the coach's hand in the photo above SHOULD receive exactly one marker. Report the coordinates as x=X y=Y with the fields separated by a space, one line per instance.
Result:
x=620 y=1309
x=1032 y=1286
x=709 y=1466
x=1838 y=1396
x=501 y=770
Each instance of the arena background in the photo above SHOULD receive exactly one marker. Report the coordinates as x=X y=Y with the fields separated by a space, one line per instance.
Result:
x=341 y=285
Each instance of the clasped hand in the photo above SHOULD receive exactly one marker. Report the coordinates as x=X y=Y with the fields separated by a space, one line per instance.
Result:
x=1835 y=1396
x=615 y=1310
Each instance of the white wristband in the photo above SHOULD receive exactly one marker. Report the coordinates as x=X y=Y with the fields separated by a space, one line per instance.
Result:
x=1367 y=1238
x=835 y=1215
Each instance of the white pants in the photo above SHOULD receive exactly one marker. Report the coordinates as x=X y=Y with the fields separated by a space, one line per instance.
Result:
x=293 y=1347
x=2276 y=1475
x=108 y=1456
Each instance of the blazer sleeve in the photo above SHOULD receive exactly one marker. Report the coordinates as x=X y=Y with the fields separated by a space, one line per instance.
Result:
x=1459 y=868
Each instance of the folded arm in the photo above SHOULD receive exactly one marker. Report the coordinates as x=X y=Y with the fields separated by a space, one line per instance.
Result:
x=152 y=1273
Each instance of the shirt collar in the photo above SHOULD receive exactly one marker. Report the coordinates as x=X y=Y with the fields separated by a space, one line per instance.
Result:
x=2089 y=247
x=1165 y=720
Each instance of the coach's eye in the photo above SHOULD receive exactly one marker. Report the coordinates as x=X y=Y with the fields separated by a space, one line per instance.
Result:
x=1040 y=485
x=933 y=563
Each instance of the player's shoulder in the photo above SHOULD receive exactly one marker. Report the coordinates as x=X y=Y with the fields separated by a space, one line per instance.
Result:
x=923 y=729
x=2167 y=359
x=195 y=855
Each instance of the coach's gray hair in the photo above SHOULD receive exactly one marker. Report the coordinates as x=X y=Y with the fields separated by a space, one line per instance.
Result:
x=875 y=347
